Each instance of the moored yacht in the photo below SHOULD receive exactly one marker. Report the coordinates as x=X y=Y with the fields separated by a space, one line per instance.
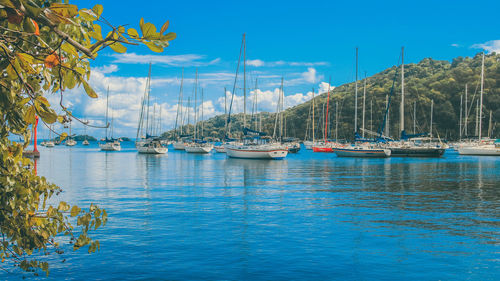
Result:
x=150 y=146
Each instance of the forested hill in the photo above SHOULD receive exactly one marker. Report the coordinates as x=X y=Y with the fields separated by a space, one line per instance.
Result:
x=440 y=81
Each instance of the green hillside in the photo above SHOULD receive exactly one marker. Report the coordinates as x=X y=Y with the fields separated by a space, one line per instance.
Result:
x=428 y=80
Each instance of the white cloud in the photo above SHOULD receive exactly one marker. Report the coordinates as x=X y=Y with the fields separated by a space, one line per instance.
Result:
x=259 y=63
x=170 y=60
x=455 y=45
x=310 y=75
x=256 y=63
x=490 y=46
x=106 y=68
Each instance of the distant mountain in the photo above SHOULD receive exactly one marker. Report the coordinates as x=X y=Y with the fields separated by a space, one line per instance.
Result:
x=83 y=137
x=440 y=81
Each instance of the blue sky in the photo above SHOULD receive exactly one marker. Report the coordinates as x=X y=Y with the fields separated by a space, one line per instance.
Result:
x=305 y=42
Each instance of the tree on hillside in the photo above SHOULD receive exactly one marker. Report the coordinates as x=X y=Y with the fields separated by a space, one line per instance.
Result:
x=45 y=49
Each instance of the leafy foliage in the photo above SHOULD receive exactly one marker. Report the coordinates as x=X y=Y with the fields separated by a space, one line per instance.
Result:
x=45 y=48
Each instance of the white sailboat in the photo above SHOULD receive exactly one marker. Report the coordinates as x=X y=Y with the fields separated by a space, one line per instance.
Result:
x=109 y=144
x=147 y=144
x=70 y=141
x=482 y=148
x=360 y=150
x=198 y=145
x=50 y=142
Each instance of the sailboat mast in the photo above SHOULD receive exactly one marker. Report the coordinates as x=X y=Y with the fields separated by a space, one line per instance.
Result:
x=255 y=105
x=107 y=102
x=387 y=128
x=402 y=105
x=282 y=95
x=202 y=122
x=466 y=112
x=225 y=108
x=148 y=87
x=336 y=120
x=195 y=100
x=477 y=118
x=326 y=116
x=414 y=117
x=490 y=125
x=244 y=83
x=432 y=113
x=356 y=96
x=460 y=120
x=364 y=106
x=481 y=97
x=313 y=126
x=179 y=105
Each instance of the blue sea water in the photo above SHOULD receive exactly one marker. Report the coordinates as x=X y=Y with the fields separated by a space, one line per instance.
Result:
x=312 y=216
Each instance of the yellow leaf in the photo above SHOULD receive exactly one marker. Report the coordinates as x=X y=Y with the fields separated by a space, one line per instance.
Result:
x=133 y=33
x=63 y=136
x=64 y=10
x=119 y=48
x=68 y=48
x=87 y=15
x=75 y=211
x=29 y=116
x=96 y=34
x=164 y=27
x=90 y=92
x=169 y=36
x=153 y=47
x=97 y=10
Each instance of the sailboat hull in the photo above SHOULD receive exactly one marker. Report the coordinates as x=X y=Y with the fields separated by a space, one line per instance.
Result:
x=150 y=148
x=371 y=153
x=480 y=150
x=417 y=151
x=257 y=152
x=198 y=148
x=110 y=146
x=178 y=145
x=220 y=149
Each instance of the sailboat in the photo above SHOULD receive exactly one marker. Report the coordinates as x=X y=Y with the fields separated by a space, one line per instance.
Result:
x=483 y=147
x=85 y=141
x=198 y=145
x=70 y=141
x=109 y=144
x=179 y=143
x=310 y=143
x=358 y=149
x=407 y=147
x=147 y=144
x=50 y=142
x=257 y=145
x=325 y=146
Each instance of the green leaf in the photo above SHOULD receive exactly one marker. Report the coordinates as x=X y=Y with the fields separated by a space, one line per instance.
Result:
x=90 y=92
